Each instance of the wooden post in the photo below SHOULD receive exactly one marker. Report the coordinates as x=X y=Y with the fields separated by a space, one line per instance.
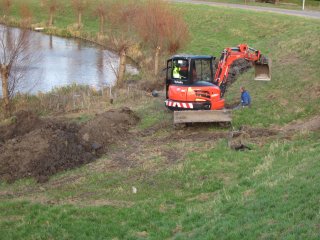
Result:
x=79 y=19
x=101 y=25
x=156 y=61
x=122 y=67
x=51 y=19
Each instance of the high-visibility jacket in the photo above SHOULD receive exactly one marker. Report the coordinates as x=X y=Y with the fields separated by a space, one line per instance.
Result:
x=176 y=72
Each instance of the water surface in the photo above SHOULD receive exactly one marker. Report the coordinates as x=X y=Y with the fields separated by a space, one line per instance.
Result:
x=61 y=62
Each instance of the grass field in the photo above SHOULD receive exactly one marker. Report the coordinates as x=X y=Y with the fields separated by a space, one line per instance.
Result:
x=209 y=191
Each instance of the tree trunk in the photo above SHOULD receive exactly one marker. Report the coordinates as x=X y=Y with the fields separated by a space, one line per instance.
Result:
x=5 y=90
x=79 y=19
x=101 y=25
x=9 y=38
x=122 y=68
x=156 y=61
x=50 y=19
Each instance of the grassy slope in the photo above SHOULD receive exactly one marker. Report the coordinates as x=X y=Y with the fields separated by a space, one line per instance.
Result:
x=291 y=43
x=270 y=192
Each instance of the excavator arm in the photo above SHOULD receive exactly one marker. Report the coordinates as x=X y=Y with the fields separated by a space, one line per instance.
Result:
x=243 y=51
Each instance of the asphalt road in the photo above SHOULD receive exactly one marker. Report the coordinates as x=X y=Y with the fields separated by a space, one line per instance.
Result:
x=300 y=13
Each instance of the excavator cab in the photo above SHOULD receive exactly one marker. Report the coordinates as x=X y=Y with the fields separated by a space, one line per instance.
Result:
x=188 y=71
x=189 y=84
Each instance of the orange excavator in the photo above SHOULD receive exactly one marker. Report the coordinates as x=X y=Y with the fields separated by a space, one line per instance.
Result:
x=191 y=85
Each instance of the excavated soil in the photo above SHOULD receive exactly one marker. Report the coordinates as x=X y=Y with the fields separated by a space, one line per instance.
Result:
x=24 y=122
x=31 y=147
x=107 y=128
x=238 y=67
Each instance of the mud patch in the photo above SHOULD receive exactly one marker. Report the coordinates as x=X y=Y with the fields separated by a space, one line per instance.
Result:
x=312 y=124
x=257 y=132
x=172 y=155
x=40 y=148
x=239 y=140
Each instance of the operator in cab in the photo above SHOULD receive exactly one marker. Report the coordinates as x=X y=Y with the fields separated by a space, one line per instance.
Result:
x=176 y=72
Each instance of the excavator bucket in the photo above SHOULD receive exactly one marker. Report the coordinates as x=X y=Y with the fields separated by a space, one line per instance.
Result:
x=263 y=70
x=196 y=116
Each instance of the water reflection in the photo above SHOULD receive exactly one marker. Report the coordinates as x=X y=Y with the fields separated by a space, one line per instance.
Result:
x=50 y=42
x=68 y=61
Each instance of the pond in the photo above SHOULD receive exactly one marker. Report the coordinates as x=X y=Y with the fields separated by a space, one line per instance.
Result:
x=61 y=62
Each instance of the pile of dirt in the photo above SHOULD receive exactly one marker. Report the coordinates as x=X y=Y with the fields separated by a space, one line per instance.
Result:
x=22 y=123
x=40 y=148
x=42 y=152
x=107 y=128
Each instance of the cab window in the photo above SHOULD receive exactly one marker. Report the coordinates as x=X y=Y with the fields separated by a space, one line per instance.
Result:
x=180 y=70
x=201 y=70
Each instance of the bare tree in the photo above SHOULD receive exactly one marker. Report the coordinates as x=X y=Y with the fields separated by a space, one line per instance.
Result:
x=52 y=7
x=6 y=6
x=161 y=27
x=101 y=11
x=26 y=15
x=177 y=34
x=15 y=58
x=122 y=33
x=79 y=6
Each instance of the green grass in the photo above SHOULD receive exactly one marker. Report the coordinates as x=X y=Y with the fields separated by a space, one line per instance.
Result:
x=265 y=193
x=270 y=192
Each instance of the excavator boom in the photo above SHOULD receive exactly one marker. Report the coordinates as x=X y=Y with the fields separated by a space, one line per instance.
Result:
x=243 y=51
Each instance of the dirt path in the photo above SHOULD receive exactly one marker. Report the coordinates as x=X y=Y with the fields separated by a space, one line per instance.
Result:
x=300 y=13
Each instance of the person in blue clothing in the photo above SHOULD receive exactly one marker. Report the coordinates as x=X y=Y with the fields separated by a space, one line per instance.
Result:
x=245 y=97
